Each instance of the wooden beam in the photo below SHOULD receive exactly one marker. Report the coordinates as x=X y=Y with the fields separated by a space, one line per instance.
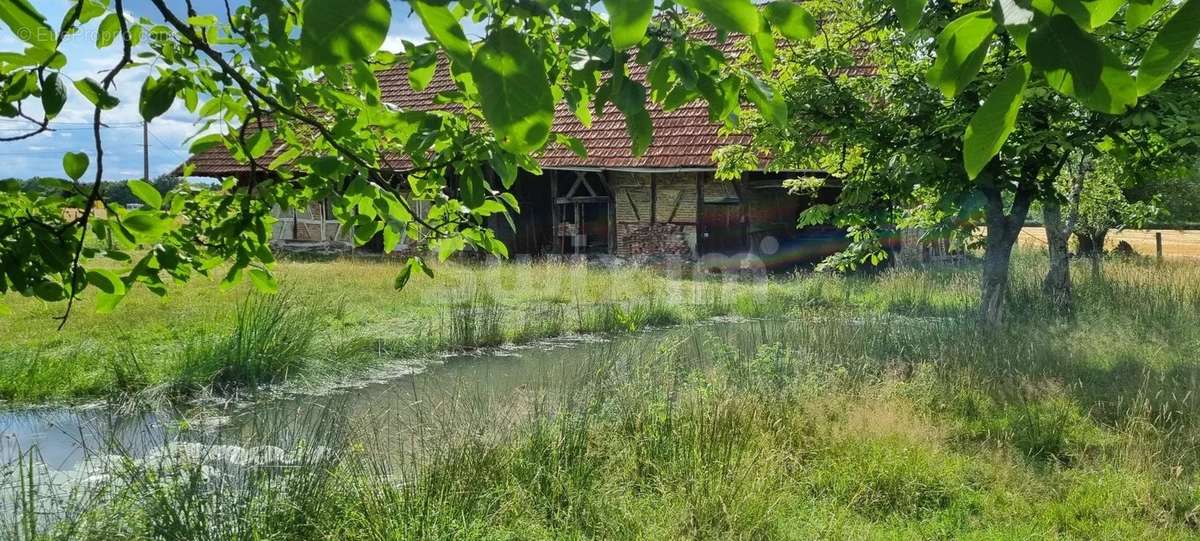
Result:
x=744 y=206
x=675 y=208
x=556 y=245
x=653 y=197
x=612 y=212
x=699 y=214
x=636 y=215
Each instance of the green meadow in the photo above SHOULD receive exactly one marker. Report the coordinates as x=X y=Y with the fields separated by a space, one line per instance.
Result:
x=861 y=407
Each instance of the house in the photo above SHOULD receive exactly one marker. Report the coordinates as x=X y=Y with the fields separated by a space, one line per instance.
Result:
x=665 y=203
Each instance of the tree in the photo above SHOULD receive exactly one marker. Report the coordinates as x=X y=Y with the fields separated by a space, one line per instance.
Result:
x=898 y=144
x=1178 y=196
x=289 y=87
x=1100 y=204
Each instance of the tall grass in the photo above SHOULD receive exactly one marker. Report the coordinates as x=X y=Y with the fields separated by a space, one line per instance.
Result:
x=272 y=337
x=883 y=415
x=877 y=409
x=181 y=343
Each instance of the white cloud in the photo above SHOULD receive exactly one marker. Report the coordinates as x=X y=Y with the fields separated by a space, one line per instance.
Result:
x=41 y=155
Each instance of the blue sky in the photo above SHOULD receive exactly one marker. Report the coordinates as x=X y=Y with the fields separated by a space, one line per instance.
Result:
x=42 y=155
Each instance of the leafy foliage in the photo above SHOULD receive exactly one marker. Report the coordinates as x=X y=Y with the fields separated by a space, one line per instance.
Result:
x=291 y=89
x=307 y=116
x=883 y=110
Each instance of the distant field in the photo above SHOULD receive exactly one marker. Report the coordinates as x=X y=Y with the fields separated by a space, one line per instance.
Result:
x=1176 y=243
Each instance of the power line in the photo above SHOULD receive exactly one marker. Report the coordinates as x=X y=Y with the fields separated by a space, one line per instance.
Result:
x=14 y=122
x=166 y=146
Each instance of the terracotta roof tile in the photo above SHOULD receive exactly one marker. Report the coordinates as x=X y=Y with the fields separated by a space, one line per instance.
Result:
x=683 y=138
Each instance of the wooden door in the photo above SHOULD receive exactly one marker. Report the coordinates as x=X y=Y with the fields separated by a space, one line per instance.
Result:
x=722 y=230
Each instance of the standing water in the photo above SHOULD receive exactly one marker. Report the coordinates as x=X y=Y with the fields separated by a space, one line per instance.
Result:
x=478 y=394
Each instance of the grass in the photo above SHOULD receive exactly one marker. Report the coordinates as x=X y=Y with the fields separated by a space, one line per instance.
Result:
x=878 y=410
x=335 y=319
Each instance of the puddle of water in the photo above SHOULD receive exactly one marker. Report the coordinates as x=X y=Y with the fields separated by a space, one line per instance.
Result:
x=392 y=411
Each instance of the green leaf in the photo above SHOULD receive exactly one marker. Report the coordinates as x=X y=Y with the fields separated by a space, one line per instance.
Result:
x=1089 y=14
x=793 y=21
x=1016 y=18
x=505 y=167
x=259 y=143
x=403 y=276
x=146 y=192
x=90 y=10
x=50 y=291
x=995 y=120
x=145 y=224
x=909 y=12
x=232 y=277
x=365 y=230
x=418 y=263
x=110 y=28
x=106 y=303
x=75 y=164
x=96 y=93
x=1075 y=64
x=630 y=98
x=763 y=44
x=449 y=246
x=28 y=24
x=157 y=96
x=1170 y=48
x=422 y=64
x=629 y=20
x=443 y=27
x=263 y=281
x=1139 y=12
x=343 y=31
x=573 y=144
x=489 y=207
x=961 y=49
x=54 y=95
x=769 y=101
x=729 y=15
x=391 y=238
x=206 y=142
x=722 y=97
x=641 y=131
x=514 y=92
x=106 y=281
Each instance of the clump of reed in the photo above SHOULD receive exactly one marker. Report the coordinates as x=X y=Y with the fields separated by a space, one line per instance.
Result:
x=271 y=337
x=475 y=320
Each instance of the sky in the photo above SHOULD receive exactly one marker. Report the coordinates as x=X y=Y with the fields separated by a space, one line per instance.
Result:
x=42 y=155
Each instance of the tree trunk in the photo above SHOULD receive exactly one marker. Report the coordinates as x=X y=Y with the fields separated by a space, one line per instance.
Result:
x=1057 y=285
x=1002 y=232
x=996 y=260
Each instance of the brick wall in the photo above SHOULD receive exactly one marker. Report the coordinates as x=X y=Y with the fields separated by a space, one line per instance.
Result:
x=659 y=239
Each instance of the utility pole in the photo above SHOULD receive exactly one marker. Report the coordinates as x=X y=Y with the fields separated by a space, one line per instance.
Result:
x=146 y=151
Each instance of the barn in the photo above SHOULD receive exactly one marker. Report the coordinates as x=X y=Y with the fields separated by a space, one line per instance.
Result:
x=665 y=203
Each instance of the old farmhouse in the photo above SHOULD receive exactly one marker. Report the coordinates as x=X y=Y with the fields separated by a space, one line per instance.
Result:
x=663 y=203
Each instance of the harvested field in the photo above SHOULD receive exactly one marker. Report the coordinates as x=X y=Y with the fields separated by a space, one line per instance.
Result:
x=1176 y=243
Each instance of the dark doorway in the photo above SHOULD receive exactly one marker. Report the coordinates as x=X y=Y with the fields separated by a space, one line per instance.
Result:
x=722 y=231
x=583 y=213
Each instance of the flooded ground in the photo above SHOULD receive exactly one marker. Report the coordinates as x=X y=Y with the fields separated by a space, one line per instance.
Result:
x=395 y=414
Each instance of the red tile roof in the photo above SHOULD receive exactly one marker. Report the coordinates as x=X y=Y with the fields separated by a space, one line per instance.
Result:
x=683 y=138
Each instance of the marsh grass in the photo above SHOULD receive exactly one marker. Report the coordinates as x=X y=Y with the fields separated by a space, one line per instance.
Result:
x=863 y=424
x=271 y=337
x=876 y=409
x=190 y=339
